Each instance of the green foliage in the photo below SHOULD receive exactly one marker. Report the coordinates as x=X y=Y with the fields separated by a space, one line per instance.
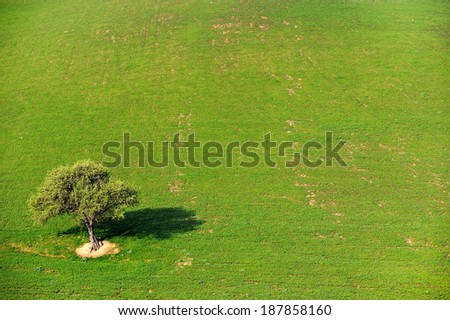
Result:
x=84 y=190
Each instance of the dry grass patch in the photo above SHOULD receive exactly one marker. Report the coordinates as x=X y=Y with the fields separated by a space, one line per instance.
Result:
x=27 y=249
x=184 y=262
x=107 y=248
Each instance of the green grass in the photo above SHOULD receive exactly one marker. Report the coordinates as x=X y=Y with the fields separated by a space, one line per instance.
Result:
x=75 y=74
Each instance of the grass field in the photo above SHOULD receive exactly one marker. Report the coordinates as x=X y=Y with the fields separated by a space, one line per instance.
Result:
x=75 y=74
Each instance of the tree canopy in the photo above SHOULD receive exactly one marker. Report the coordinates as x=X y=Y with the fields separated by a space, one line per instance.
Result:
x=85 y=190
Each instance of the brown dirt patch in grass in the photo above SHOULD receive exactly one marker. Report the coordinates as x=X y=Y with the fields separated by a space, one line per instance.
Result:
x=184 y=262
x=107 y=248
x=175 y=186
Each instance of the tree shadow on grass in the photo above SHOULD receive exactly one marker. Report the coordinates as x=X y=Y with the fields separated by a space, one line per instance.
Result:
x=161 y=223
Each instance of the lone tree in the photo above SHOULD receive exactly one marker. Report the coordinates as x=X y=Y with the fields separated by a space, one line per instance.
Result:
x=86 y=191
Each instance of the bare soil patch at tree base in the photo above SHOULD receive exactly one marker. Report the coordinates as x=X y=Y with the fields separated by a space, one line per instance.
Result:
x=107 y=248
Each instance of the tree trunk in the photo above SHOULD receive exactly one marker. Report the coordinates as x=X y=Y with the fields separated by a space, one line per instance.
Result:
x=95 y=243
